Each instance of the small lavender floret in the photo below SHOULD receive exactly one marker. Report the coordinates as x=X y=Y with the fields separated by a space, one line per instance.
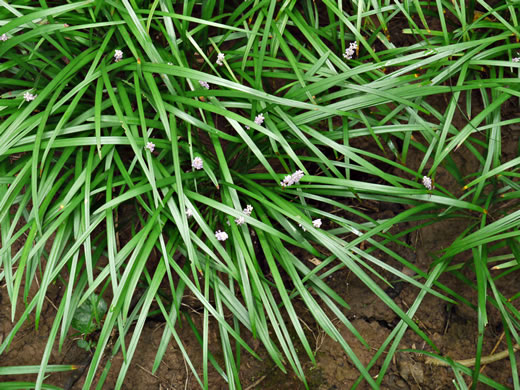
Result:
x=4 y=37
x=220 y=59
x=204 y=84
x=296 y=176
x=221 y=236
x=350 y=51
x=427 y=182
x=197 y=163
x=259 y=119
x=29 y=96
x=289 y=180
x=118 y=55
x=150 y=146
x=316 y=223
x=248 y=210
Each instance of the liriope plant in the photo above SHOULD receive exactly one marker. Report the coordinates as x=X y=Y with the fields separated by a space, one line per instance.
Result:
x=217 y=137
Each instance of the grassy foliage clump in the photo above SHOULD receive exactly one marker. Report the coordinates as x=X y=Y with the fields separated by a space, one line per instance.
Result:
x=211 y=148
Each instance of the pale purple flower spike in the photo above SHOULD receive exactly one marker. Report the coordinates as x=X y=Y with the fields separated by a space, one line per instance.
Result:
x=118 y=55
x=427 y=182
x=150 y=146
x=316 y=223
x=259 y=119
x=289 y=180
x=248 y=210
x=204 y=84
x=350 y=51
x=4 y=37
x=221 y=236
x=197 y=163
x=29 y=96
x=516 y=59
x=189 y=213
x=220 y=58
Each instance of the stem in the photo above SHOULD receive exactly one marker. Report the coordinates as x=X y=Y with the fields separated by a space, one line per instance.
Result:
x=471 y=362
